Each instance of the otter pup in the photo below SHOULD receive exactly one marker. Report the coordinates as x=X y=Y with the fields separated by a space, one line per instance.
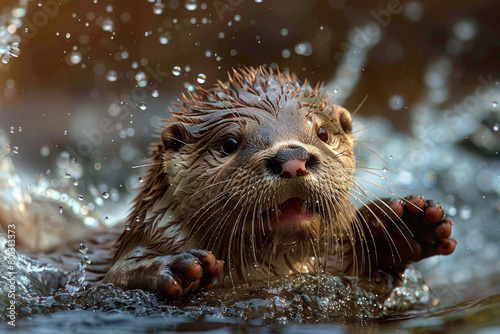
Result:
x=252 y=180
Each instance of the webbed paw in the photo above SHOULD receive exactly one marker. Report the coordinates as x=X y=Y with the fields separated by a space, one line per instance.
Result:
x=398 y=232
x=187 y=272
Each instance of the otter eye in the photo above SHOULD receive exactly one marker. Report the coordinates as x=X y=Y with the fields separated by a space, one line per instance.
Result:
x=322 y=134
x=230 y=145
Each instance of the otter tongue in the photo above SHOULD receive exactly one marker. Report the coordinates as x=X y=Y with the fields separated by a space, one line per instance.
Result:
x=295 y=208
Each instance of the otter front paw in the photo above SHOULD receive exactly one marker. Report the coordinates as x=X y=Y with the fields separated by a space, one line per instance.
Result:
x=398 y=232
x=427 y=221
x=185 y=273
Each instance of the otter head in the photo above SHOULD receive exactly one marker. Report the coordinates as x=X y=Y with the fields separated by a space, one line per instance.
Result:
x=259 y=167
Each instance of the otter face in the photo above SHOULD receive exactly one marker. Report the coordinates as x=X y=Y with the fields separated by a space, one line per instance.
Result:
x=264 y=162
x=301 y=162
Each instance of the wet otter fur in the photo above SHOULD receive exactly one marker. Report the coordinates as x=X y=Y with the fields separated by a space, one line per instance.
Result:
x=253 y=179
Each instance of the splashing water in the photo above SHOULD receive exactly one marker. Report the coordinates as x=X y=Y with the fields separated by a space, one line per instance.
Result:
x=294 y=299
x=13 y=51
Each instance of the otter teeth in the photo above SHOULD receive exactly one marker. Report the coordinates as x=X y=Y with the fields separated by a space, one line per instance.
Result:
x=276 y=212
x=303 y=208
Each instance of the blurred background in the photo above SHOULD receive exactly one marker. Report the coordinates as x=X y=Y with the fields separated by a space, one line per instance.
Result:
x=84 y=84
x=85 y=61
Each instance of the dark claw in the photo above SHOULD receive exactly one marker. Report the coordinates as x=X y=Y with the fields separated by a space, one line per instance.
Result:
x=412 y=230
x=187 y=272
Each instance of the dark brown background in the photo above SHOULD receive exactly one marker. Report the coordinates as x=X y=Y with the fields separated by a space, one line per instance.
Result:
x=47 y=88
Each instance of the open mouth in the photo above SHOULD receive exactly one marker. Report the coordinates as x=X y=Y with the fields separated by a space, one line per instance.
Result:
x=294 y=212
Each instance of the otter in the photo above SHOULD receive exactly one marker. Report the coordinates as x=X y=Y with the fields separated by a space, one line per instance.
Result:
x=252 y=180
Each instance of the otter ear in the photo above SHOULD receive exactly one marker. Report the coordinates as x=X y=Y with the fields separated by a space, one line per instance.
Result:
x=172 y=138
x=344 y=118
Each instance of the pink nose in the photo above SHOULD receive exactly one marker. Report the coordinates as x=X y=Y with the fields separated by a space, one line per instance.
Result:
x=293 y=168
x=290 y=162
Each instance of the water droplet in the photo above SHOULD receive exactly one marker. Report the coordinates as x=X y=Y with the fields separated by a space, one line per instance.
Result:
x=142 y=79
x=285 y=53
x=140 y=76
x=137 y=218
x=430 y=178
x=164 y=38
x=396 y=102
x=80 y=197
x=335 y=91
x=155 y=93
x=414 y=10
x=176 y=71
x=105 y=195
x=141 y=179
x=112 y=76
x=60 y=209
x=6 y=57
x=191 y=4
x=15 y=150
x=158 y=8
x=20 y=129
x=47 y=171
x=465 y=29
x=201 y=78
x=83 y=248
x=143 y=106
x=391 y=157
x=496 y=127
x=494 y=104
x=127 y=227
x=74 y=58
x=14 y=50
x=87 y=259
x=384 y=169
x=107 y=25
x=76 y=182
x=465 y=212
x=303 y=49
x=12 y=129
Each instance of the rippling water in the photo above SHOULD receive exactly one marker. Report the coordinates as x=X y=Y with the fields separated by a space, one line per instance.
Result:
x=283 y=303
x=106 y=309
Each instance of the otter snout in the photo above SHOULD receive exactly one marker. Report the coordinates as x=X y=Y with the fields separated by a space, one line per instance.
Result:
x=290 y=162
